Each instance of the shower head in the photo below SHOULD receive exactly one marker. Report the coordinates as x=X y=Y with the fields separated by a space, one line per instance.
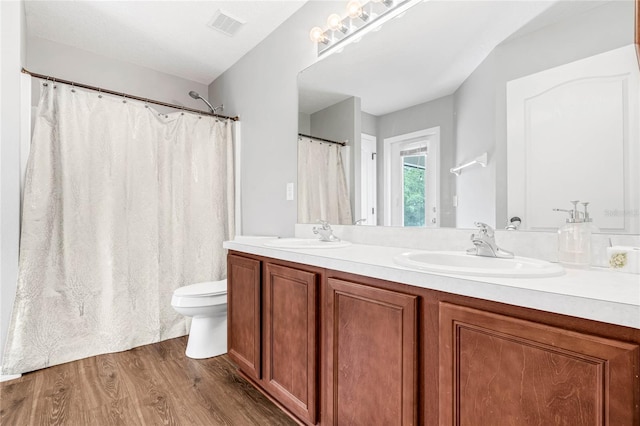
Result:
x=195 y=95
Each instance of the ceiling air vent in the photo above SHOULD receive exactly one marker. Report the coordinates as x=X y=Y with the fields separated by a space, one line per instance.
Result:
x=225 y=23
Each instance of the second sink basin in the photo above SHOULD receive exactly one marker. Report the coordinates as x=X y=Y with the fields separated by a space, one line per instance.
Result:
x=460 y=263
x=304 y=243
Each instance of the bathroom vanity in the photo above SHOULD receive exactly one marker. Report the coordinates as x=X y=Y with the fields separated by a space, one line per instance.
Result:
x=345 y=336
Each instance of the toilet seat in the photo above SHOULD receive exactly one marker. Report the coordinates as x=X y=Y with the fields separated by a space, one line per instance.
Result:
x=208 y=293
x=206 y=288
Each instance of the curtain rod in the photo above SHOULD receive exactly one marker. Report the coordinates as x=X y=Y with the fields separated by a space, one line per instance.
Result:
x=137 y=98
x=321 y=139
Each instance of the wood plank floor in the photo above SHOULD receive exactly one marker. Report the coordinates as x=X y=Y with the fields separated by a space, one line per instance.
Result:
x=150 y=385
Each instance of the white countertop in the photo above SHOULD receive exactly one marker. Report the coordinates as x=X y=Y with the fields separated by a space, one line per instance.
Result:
x=597 y=294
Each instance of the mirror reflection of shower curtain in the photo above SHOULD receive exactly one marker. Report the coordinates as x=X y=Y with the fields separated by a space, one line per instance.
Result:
x=322 y=185
x=122 y=206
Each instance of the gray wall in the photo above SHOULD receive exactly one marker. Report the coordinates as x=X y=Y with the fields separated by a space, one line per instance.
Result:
x=439 y=112
x=13 y=47
x=369 y=124
x=262 y=89
x=70 y=63
x=481 y=100
x=304 y=123
x=475 y=134
x=337 y=122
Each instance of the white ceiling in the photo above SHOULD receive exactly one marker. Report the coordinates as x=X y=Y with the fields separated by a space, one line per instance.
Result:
x=167 y=36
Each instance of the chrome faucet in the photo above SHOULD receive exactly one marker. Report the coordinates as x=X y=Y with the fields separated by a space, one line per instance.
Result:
x=485 y=243
x=325 y=232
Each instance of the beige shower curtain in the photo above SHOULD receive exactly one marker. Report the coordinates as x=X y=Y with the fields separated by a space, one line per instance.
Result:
x=122 y=205
x=322 y=184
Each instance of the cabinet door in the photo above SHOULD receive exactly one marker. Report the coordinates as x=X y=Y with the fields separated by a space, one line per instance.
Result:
x=371 y=356
x=243 y=313
x=290 y=339
x=498 y=370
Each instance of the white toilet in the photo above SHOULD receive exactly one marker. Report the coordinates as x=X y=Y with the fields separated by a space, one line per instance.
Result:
x=206 y=303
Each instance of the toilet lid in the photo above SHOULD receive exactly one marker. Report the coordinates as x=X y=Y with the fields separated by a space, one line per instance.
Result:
x=207 y=288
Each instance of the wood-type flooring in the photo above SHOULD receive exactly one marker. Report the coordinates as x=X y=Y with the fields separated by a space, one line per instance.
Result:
x=149 y=385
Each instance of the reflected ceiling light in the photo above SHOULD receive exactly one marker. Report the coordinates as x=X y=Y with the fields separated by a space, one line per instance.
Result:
x=361 y=18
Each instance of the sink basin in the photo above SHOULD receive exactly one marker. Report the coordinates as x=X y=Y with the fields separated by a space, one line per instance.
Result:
x=304 y=243
x=460 y=263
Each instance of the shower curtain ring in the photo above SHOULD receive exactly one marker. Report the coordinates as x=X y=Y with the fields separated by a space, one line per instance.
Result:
x=54 y=83
x=124 y=98
x=73 y=90
x=46 y=83
x=99 y=93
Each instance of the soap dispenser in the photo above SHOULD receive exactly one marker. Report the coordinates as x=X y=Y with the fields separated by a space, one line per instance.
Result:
x=574 y=238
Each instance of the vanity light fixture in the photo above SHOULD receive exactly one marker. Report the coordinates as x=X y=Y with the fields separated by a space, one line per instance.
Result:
x=361 y=18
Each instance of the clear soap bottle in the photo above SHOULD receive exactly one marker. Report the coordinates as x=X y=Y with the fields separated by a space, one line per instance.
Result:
x=574 y=238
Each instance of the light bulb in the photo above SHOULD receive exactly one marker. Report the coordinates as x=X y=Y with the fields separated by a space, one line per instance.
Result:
x=354 y=9
x=334 y=22
x=317 y=35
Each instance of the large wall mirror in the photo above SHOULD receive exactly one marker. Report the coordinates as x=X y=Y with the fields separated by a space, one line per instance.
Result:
x=533 y=104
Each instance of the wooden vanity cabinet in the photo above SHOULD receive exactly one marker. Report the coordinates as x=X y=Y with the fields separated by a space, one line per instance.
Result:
x=334 y=348
x=499 y=370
